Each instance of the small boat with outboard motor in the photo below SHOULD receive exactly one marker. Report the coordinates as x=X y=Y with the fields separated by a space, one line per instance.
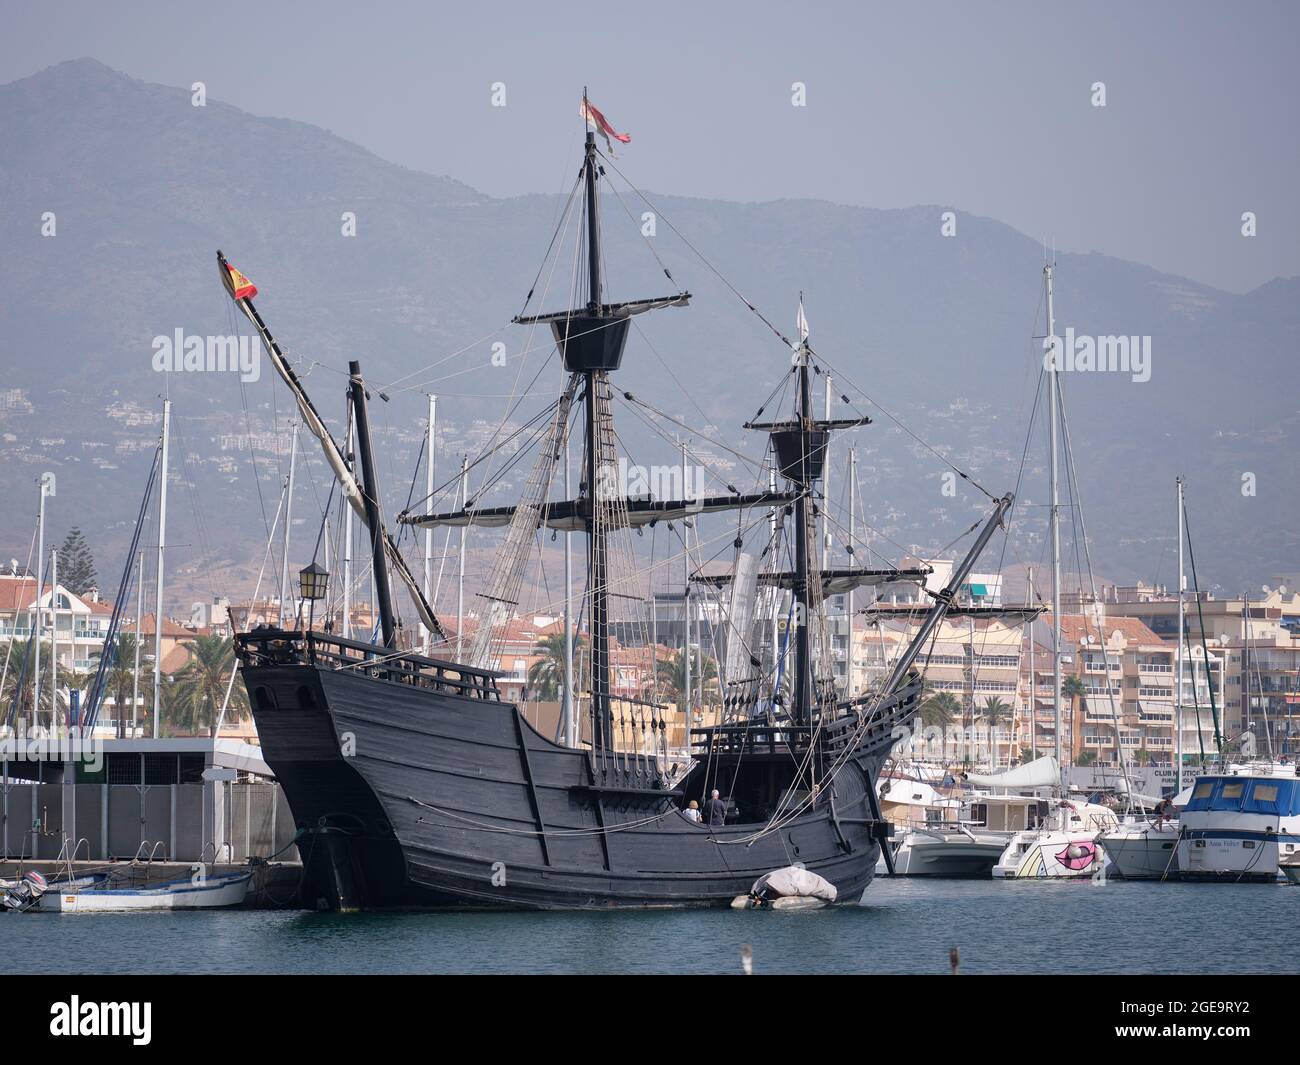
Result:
x=110 y=895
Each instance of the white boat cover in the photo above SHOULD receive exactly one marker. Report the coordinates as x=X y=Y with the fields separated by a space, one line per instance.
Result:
x=1040 y=773
x=794 y=882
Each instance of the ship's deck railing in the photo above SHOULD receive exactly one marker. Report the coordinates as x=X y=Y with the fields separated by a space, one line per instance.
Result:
x=265 y=646
x=836 y=728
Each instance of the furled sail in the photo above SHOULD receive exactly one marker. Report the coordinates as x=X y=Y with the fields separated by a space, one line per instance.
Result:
x=570 y=515
x=242 y=291
x=833 y=581
x=507 y=572
x=740 y=664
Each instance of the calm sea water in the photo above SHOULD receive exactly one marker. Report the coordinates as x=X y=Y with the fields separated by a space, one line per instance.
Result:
x=907 y=926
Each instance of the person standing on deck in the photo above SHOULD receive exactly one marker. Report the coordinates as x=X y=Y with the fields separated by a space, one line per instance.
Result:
x=717 y=810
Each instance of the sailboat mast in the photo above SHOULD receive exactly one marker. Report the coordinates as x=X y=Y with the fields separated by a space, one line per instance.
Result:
x=162 y=552
x=460 y=563
x=1054 y=513
x=370 y=498
x=347 y=541
x=1033 y=674
x=139 y=616
x=428 y=509
x=288 y=521
x=802 y=563
x=1182 y=643
x=36 y=609
x=686 y=597
x=54 y=636
x=853 y=507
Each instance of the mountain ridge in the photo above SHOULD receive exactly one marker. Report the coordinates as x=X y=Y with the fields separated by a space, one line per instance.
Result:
x=938 y=329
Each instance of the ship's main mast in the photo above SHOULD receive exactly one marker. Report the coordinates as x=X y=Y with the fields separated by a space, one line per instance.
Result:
x=597 y=549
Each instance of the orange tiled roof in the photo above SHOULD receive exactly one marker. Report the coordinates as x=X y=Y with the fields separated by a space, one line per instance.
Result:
x=175 y=660
x=169 y=628
x=16 y=593
x=1075 y=627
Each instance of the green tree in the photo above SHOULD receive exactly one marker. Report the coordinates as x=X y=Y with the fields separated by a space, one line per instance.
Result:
x=77 y=564
x=546 y=675
x=939 y=709
x=193 y=700
x=17 y=654
x=996 y=711
x=119 y=683
x=671 y=676
x=1074 y=688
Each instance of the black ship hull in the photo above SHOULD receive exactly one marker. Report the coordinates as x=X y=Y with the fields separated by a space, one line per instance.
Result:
x=411 y=797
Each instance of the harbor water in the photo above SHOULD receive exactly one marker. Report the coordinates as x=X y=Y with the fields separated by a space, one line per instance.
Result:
x=907 y=926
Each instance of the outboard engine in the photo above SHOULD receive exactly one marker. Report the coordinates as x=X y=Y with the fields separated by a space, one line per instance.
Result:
x=26 y=893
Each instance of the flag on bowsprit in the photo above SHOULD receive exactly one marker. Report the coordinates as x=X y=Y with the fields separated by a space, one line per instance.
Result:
x=238 y=285
x=588 y=111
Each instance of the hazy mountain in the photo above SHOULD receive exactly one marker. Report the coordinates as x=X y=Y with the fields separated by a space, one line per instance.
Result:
x=144 y=187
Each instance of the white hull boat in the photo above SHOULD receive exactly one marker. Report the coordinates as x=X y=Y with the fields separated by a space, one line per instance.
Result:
x=1291 y=868
x=1238 y=828
x=955 y=852
x=1069 y=851
x=1147 y=850
x=214 y=892
x=1051 y=855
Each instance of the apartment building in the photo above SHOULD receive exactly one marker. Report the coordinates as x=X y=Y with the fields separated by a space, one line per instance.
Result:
x=1125 y=677
x=977 y=660
x=74 y=626
x=1257 y=637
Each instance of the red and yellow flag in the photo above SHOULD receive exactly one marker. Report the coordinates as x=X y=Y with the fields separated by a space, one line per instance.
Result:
x=240 y=287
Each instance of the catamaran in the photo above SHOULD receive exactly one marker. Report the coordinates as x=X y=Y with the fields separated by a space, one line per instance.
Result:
x=416 y=784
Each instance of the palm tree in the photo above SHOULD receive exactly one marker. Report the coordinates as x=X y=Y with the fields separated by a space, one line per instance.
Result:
x=1073 y=687
x=996 y=711
x=671 y=676
x=195 y=697
x=939 y=708
x=119 y=683
x=18 y=655
x=546 y=675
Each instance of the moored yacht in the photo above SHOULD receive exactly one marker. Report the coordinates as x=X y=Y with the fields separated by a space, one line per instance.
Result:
x=1067 y=846
x=1143 y=849
x=962 y=837
x=1240 y=826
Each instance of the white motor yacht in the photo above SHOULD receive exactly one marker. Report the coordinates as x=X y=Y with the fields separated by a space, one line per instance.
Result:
x=1241 y=826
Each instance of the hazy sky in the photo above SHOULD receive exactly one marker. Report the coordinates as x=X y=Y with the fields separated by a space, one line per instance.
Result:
x=985 y=107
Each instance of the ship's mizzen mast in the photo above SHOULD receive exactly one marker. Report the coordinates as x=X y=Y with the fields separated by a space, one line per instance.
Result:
x=799 y=446
x=242 y=293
